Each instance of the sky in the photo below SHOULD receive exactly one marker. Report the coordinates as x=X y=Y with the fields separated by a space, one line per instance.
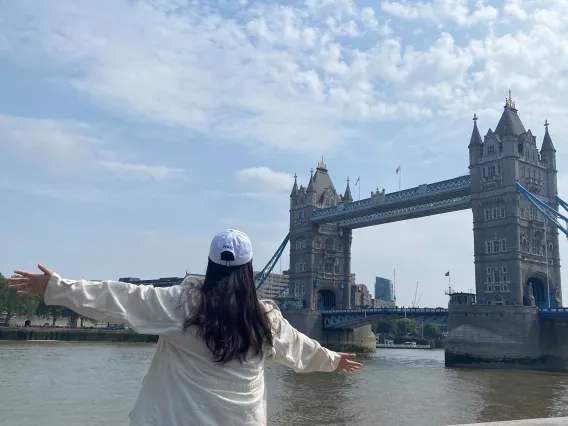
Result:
x=133 y=131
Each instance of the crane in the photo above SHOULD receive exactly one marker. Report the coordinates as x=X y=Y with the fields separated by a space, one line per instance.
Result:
x=415 y=291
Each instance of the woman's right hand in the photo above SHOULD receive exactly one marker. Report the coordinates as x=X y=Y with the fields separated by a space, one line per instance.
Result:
x=346 y=365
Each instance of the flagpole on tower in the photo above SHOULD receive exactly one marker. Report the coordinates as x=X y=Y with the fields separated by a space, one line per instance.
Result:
x=399 y=173
x=358 y=183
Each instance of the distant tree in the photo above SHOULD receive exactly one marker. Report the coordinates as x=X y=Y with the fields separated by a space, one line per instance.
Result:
x=406 y=326
x=430 y=330
x=11 y=304
x=385 y=326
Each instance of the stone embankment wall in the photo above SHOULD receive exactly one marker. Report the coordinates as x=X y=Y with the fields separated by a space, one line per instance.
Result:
x=72 y=335
x=505 y=336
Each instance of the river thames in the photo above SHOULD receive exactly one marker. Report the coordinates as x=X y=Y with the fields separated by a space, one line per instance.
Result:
x=95 y=384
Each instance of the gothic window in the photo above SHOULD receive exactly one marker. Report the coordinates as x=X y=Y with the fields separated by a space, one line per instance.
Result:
x=329 y=243
x=336 y=268
x=520 y=148
x=533 y=215
x=300 y=244
x=490 y=149
x=522 y=212
x=300 y=267
x=318 y=243
x=339 y=247
x=299 y=288
x=498 y=168
x=535 y=246
x=320 y=267
x=299 y=214
x=495 y=246
x=504 y=270
x=329 y=268
x=494 y=213
x=489 y=281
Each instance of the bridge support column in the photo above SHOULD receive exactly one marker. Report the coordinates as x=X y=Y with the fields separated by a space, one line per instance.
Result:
x=359 y=340
x=493 y=337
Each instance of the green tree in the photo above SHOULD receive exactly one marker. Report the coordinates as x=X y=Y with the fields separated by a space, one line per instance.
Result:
x=430 y=330
x=385 y=326
x=406 y=326
x=12 y=304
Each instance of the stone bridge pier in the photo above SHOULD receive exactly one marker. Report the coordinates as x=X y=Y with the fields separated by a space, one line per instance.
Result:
x=310 y=322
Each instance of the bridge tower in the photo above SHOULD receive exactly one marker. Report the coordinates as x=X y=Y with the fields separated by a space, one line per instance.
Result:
x=512 y=241
x=320 y=254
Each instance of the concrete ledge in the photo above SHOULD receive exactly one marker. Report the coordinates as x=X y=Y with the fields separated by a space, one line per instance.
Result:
x=540 y=422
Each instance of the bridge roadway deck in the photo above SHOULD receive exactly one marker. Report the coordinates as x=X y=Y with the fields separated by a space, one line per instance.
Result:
x=424 y=200
x=554 y=421
x=347 y=318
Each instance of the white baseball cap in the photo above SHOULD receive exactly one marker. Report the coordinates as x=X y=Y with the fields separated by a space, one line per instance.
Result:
x=233 y=241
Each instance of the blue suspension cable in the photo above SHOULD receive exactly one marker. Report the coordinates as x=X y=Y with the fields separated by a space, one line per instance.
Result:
x=538 y=203
x=260 y=278
x=562 y=203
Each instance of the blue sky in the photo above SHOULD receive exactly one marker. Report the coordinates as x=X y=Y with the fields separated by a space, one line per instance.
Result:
x=132 y=131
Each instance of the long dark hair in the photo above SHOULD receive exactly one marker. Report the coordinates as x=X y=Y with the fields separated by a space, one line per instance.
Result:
x=229 y=317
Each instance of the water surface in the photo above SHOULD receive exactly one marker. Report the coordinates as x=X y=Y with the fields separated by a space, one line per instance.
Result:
x=92 y=384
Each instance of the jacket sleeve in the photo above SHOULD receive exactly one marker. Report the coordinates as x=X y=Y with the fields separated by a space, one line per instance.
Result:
x=147 y=310
x=296 y=350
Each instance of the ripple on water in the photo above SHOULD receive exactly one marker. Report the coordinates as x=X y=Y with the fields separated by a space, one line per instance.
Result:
x=92 y=384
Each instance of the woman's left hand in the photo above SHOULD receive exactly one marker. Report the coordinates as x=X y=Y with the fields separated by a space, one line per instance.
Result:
x=28 y=284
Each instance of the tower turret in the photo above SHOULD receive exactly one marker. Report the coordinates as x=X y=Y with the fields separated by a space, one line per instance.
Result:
x=347 y=198
x=294 y=192
x=475 y=144
x=547 y=150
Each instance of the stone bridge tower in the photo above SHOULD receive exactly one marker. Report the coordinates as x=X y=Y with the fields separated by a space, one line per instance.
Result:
x=320 y=255
x=517 y=259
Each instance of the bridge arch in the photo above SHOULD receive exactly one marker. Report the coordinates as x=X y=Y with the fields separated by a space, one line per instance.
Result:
x=327 y=299
x=537 y=286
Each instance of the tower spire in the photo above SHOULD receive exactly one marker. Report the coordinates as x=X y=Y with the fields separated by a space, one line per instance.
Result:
x=311 y=184
x=510 y=123
x=547 y=145
x=294 y=192
x=347 y=198
x=475 y=139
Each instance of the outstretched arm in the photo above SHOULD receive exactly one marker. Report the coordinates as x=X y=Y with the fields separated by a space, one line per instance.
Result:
x=146 y=309
x=298 y=351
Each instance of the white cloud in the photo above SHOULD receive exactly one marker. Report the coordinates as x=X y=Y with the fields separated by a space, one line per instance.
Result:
x=400 y=80
x=265 y=181
x=515 y=9
x=68 y=150
x=142 y=171
x=440 y=11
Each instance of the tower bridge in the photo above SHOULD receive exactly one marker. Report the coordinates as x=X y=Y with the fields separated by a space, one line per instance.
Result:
x=511 y=190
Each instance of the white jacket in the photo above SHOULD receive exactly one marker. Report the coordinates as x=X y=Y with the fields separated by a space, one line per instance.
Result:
x=183 y=385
